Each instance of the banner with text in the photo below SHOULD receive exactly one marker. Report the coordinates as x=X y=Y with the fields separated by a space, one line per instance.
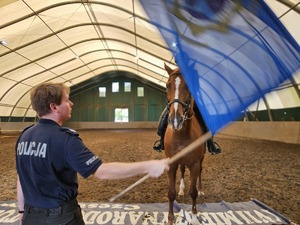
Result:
x=251 y=212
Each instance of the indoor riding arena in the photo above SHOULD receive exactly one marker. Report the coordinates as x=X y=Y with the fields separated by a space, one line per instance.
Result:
x=247 y=168
x=239 y=62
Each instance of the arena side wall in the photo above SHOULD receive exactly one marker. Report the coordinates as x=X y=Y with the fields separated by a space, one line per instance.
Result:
x=288 y=132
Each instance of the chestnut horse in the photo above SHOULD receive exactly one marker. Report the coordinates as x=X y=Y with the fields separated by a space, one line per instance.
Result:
x=183 y=129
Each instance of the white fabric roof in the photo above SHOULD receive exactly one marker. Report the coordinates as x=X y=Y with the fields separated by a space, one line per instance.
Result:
x=73 y=41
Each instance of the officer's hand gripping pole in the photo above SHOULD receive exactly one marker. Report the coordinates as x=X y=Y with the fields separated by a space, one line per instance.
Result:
x=180 y=154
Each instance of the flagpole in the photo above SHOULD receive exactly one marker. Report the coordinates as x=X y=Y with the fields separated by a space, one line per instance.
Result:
x=201 y=140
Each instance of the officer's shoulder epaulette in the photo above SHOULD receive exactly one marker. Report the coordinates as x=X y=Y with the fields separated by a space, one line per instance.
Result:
x=69 y=131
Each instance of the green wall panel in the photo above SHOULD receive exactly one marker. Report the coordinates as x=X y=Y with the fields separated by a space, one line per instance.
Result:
x=154 y=112
x=88 y=106
x=140 y=113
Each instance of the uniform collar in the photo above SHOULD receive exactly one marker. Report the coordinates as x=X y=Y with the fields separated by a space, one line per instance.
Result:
x=48 y=121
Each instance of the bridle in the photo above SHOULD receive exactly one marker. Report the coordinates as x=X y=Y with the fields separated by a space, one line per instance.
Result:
x=186 y=105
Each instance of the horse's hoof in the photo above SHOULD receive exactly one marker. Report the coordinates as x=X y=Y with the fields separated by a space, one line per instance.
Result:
x=181 y=193
x=200 y=193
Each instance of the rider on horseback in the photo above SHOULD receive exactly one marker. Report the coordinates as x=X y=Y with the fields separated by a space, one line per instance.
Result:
x=212 y=146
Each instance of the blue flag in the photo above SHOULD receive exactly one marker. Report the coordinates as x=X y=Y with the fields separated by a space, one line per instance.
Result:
x=231 y=52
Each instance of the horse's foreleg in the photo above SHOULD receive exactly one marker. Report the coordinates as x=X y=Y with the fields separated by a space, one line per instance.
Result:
x=181 y=187
x=194 y=194
x=200 y=190
x=172 y=192
x=194 y=171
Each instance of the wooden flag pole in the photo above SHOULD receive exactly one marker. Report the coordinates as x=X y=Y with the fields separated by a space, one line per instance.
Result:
x=180 y=154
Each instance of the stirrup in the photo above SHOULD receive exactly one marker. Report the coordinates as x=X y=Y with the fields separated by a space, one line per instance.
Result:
x=157 y=147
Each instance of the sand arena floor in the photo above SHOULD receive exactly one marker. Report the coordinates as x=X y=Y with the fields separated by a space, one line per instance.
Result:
x=246 y=168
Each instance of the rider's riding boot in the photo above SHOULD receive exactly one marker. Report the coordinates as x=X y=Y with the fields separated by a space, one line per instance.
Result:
x=213 y=147
x=161 y=130
x=159 y=145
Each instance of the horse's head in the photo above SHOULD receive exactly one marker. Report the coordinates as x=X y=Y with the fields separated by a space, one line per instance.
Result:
x=180 y=101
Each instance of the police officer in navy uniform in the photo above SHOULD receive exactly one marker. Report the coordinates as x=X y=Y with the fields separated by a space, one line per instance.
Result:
x=49 y=156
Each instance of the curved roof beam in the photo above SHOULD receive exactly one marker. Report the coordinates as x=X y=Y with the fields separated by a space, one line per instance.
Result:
x=71 y=27
x=45 y=69
x=291 y=5
x=66 y=3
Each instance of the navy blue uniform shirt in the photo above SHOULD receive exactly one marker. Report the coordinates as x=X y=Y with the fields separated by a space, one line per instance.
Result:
x=48 y=158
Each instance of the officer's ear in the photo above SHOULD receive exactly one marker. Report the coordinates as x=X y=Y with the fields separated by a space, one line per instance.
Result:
x=53 y=106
